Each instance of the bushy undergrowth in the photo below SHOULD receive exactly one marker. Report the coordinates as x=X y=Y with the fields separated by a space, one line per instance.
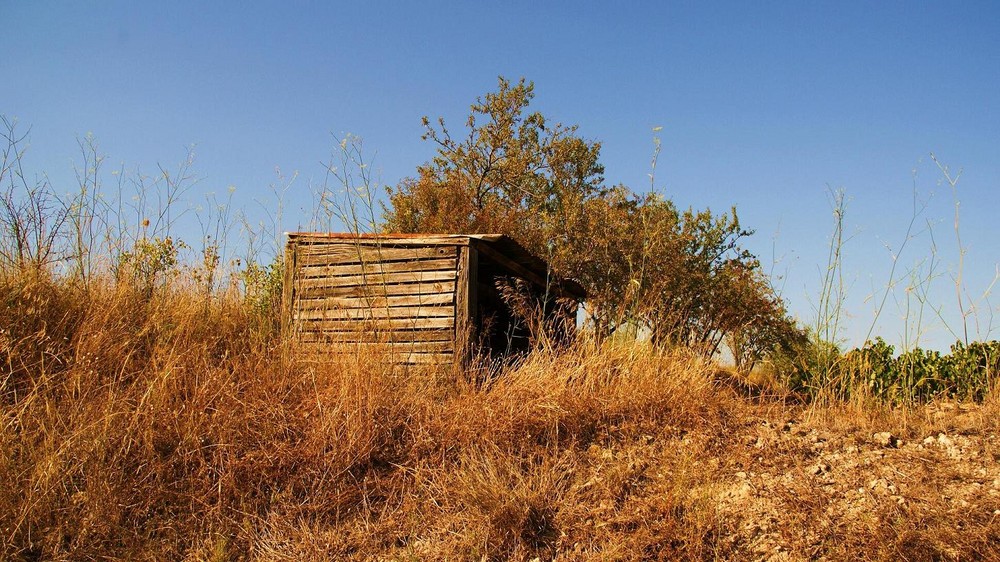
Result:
x=875 y=371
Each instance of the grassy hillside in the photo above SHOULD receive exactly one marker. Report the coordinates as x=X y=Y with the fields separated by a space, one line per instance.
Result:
x=168 y=423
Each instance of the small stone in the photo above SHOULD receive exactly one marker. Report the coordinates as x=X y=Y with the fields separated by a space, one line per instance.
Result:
x=883 y=486
x=886 y=439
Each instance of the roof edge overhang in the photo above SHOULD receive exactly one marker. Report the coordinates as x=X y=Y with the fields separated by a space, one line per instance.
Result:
x=499 y=243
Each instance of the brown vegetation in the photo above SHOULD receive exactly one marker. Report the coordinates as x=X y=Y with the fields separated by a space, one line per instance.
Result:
x=163 y=426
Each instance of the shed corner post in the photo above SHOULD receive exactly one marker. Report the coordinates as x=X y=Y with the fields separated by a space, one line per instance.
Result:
x=288 y=289
x=466 y=303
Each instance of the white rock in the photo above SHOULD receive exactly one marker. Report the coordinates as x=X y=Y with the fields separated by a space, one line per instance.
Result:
x=886 y=439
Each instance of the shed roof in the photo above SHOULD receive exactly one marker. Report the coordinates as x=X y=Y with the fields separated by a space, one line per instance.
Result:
x=500 y=244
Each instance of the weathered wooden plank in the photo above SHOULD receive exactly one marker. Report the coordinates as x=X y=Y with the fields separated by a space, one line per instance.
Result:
x=308 y=270
x=434 y=311
x=395 y=336
x=381 y=324
x=352 y=253
x=425 y=358
x=376 y=280
x=287 y=293
x=375 y=301
x=465 y=297
x=369 y=347
x=396 y=347
x=442 y=358
x=462 y=290
x=302 y=239
x=380 y=290
x=472 y=306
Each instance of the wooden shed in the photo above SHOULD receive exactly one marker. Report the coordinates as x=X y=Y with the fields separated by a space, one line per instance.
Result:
x=432 y=298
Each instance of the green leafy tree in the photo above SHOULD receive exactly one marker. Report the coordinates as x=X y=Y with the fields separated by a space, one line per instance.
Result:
x=680 y=277
x=513 y=172
x=764 y=329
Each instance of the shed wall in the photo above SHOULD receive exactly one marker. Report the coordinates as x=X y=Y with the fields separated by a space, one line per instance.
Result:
x=346 y=293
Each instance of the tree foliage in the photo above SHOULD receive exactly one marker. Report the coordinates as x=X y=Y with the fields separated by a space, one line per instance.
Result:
x=679 y=276
x=513 y=172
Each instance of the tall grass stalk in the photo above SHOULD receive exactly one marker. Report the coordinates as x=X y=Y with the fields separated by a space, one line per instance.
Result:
x=346 y=200
x=829 y=307
x=968 y=307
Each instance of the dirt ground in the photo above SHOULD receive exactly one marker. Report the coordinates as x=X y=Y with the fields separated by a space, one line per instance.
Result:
x=924 y=489
x=821 y=485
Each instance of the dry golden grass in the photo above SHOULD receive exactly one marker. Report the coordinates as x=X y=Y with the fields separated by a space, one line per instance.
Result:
x=168 y=428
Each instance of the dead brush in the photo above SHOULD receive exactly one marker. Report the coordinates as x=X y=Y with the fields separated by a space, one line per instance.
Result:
x=38 y=317
x=162 y=426
x=507 y=508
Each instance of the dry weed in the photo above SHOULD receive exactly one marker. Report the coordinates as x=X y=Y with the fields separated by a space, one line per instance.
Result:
x=157 y=426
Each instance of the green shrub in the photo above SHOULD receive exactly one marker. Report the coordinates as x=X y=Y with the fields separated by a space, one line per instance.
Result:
x=915 y=376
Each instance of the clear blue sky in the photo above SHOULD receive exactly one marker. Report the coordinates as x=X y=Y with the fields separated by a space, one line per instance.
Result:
x=763 y=106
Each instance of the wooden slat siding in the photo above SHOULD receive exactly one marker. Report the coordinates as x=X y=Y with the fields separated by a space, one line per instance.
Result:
x=386 y=324
x=415 y=347
x=373 y=270
x=390 y=337
x=423 y=299
x=376 y=280
x=397 y=358
x=377 y=291
x=349 y=253
x=347 y=293
x=376 y=313
x=400 y=347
